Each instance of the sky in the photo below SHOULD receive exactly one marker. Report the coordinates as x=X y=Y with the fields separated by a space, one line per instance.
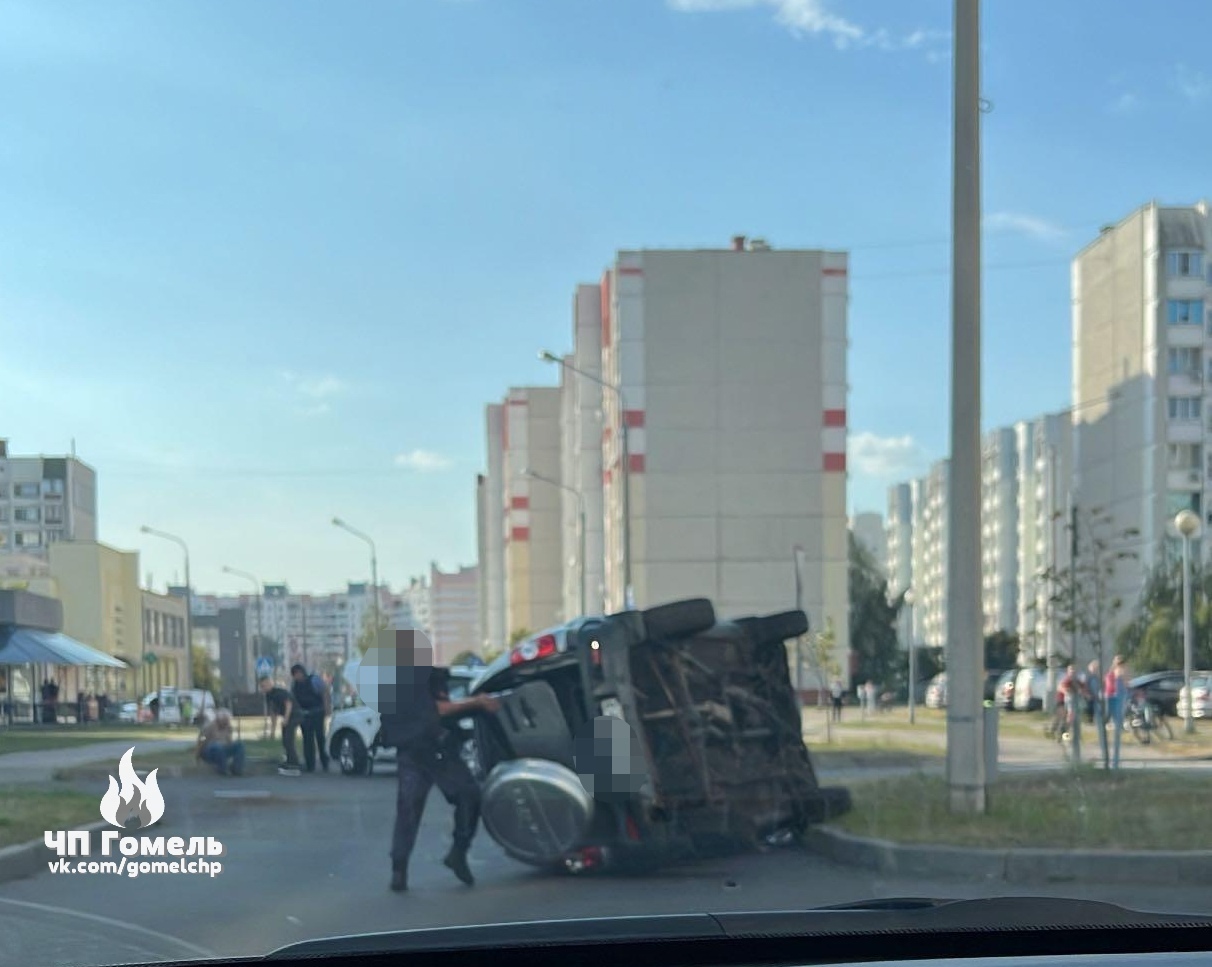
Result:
x=265 y=263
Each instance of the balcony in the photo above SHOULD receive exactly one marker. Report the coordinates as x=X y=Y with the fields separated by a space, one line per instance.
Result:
x=1185 y=431
x=1186 y=383
x=1184 y=479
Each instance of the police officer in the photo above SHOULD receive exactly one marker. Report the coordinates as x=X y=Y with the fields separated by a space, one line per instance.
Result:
x=419 y=728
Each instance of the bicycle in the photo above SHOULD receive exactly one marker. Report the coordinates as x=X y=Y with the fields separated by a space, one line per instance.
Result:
x=1146 y=721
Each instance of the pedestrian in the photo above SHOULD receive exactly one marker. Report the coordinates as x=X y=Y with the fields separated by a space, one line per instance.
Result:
x=838 y=696
x=218 y=746
x=313 y=701
x=1115 y=692
x=281 y=706
x=426 y=756
x=1094 y=684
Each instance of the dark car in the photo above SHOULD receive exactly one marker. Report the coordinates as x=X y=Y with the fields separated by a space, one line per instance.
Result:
x=1161 y=688
x=713 y=727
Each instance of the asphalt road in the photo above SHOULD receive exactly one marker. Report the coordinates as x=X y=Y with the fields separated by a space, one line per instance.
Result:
x=311 y=861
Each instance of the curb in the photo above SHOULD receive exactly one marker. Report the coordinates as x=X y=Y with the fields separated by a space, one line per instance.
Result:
x=1153 y=867
x=27 y=859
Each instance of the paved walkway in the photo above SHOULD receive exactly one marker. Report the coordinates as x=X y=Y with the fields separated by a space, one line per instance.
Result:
x=40 y=765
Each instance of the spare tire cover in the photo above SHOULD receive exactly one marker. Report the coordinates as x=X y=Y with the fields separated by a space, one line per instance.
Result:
x=535 y=809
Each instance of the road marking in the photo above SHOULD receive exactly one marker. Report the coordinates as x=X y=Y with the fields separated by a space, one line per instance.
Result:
x=241 y=793
x=200 y=952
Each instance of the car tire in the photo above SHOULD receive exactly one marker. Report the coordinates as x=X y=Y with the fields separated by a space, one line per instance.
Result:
x=350 y=753
x=776 y=628
x=680 y=619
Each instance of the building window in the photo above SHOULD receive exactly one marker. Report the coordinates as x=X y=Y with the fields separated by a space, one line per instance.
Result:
x=1185 y=312
x=1185 y=265
x=54 y=536
x=1185 y=408
x=52 y=489
x=3 y=538
x=26 y=491
x=53 y=514
x=29 y=539
x=27 y=515
x=1183 y=456
x=1177 y=501
x=1184 y=361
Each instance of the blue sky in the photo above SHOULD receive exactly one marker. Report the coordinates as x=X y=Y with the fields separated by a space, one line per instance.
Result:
x=265 y=262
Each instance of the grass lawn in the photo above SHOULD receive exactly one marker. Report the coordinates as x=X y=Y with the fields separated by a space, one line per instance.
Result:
x=884 y=748
x=827 y=757
x=172 y=760
x=27 y=814
x=27 y=739
x=1137 y=809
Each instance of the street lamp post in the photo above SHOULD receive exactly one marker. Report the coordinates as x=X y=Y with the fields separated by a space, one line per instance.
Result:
x=625 y=465
x=797 y=553
x=189 y=596
x=256 y=583
x=911 y=644
x=1188 y=524
x=374 y=571
x=580 y=498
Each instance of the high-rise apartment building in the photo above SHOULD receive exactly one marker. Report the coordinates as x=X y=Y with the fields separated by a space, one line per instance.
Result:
x=493 y=632
x=999 y=530
x=898 y=561
x=455 y=611
x=45 y=500
x=1142 y=363
x=929 y=579
x=870 y=533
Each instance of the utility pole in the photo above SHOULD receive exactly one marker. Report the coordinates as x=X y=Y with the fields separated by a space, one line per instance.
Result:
x=966 y=779
x=1076 y=728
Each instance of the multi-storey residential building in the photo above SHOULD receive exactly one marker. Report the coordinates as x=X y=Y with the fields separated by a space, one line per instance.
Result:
x=1142 y=360
x=731 y=374
x=999 y=530
x=493 y=633
x=868 y=529
x=532 y=510
x=44 y=500
x=455 y=600
x=166 y=659
x=898 y=561
x=1045 y=468
x=930 y=552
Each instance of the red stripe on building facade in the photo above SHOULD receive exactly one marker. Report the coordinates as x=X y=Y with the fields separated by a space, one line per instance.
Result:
x=635 y=463
x=835 y=418
x=835 y=463
x=833 y=271
x=633 y=418
x=520 y=534
x=519 y=503
x=630 y=270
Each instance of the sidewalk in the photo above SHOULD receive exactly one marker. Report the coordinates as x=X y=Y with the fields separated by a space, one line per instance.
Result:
x=40 y=765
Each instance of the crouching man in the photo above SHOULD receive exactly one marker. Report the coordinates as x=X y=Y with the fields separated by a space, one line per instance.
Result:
x=218 y=746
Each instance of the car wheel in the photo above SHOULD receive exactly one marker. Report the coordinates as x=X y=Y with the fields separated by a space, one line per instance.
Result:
x=350 y=752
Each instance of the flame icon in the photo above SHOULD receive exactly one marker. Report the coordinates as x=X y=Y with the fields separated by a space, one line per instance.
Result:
x=137 y=803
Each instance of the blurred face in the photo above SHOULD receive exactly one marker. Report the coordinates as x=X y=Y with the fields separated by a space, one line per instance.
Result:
x=298 y=676
x=265 y=685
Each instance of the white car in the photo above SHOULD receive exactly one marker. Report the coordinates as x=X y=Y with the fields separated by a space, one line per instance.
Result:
x=353 y=731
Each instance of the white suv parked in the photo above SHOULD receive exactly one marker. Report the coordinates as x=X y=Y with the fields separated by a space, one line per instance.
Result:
x=353 y=731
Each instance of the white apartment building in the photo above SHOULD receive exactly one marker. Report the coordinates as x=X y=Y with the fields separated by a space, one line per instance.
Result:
x=898 y=538
x=731 y=369
x=1142 y=361
x=929 y=577
x=44 y=500
x=999 y=530
x=868 y=529
x=1045 y=467
x=493 y=633
x=455 y=604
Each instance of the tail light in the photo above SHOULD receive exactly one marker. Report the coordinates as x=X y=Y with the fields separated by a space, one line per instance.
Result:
x=633 y=830
x=542 y=647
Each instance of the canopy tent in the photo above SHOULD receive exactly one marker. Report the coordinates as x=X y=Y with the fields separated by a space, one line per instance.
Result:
x=28 y=646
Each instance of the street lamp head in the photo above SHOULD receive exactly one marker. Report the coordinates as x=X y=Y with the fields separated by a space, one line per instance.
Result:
x=337 y=522
x=226 y=570
x=907 y=597
x=547 y=356
x=144 y=529
x=1187 y=522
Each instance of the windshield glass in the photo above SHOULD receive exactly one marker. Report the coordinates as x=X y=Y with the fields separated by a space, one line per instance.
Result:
x=842 y=361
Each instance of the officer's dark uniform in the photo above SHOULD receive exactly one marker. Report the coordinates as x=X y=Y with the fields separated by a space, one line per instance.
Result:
x=427 y=754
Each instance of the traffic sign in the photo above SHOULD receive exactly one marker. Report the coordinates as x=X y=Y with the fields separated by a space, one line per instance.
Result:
x=265 y=667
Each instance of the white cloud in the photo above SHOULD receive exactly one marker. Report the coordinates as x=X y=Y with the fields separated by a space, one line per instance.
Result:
x=1024 y=224
x=1194 y=85
x=812 y=18
x=315 y=387
x=1126 y=103
x=890 y=457
x=422 y=461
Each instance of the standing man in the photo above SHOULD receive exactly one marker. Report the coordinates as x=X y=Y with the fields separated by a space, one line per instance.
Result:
x=418 y=726
x=282 y=706
x=313 y=701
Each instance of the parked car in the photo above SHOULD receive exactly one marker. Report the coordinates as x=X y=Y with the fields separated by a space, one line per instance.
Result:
x=1201 y=705
x=353 y=731
x=1030 y=688
x=1004 y=693
x=173 y=706
x=711 y=713
x=1162 y=689
x=936 y=691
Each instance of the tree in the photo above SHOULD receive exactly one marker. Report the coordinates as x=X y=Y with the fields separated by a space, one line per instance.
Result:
x=204 y=674
x=518 y=635
x=1077 y=598
x=466 y=658
x=370 y=632
x=873 y=620
x=822 y=659
x=1001 y=650
x=1153 y=640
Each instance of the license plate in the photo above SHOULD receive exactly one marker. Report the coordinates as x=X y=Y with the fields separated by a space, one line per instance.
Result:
x=612 y=706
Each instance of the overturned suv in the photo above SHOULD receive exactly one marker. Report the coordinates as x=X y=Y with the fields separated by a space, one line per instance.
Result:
x=714 y=726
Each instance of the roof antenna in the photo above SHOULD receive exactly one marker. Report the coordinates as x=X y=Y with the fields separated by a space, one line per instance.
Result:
x=73 y=448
